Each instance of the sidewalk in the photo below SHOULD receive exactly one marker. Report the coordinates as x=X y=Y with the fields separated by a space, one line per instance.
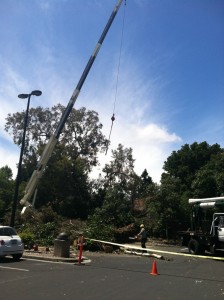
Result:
x=49 y=256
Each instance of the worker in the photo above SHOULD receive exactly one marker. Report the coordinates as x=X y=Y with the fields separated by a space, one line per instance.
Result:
x=143 y=235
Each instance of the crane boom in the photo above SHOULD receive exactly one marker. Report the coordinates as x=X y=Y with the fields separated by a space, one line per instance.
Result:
x=206 y=200
x=32 y=184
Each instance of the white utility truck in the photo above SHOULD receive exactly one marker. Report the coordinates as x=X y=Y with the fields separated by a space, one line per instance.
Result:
x=207 y=226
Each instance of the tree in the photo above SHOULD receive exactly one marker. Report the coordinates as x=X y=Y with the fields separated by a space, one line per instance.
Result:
x=209 y=180
x=64 y=184
x=81 y=136
x=116 y=193
x=121 y=170
x=6 y=190
x=184 y=163
x=143 y=184
x=115 y=212
x=65 y=187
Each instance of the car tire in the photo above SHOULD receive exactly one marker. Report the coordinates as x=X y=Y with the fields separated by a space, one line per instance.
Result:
x=16 y=256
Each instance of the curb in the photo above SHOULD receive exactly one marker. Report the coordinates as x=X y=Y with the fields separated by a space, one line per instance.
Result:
x=56 y=259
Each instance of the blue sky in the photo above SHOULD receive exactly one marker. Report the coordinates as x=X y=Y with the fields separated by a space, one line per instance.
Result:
x=171 y=79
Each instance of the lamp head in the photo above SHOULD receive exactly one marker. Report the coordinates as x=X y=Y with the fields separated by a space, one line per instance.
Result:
x=23 y=96
x=33 y=93
x=36 y=93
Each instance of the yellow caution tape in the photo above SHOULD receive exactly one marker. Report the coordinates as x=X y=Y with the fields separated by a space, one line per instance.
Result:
x=158 y=251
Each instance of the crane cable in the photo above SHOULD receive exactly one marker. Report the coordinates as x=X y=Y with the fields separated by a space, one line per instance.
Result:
x=118 y=71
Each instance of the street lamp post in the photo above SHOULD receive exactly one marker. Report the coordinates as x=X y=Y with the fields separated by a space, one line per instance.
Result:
x=15 y=199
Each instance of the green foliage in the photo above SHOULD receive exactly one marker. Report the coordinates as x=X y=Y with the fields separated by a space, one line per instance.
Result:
x=184 y=163
x=28 y=238
x=40 y=234
x=45 y=234
x=64 y=185
x=43 y=225
x=65 y=188
x=209 y=180
x=114 y=213
x=115 y=193
x=6 y=190
x=98 y=227
x=143 y=184
x=81 y=137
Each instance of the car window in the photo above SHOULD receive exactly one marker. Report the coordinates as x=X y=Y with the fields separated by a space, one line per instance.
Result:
x=7 y=231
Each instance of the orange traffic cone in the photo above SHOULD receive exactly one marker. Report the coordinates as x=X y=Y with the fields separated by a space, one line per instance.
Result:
x=154 y=269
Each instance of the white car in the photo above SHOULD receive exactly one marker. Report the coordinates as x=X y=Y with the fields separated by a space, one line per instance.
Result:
x=10 y=243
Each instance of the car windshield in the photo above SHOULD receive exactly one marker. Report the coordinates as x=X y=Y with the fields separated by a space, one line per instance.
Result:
x=7 y=231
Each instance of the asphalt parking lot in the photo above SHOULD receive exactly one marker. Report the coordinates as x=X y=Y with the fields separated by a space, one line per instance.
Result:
x=113 y=276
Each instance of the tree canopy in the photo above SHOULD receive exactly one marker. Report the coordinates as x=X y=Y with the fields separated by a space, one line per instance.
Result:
x=64 y=184
x=81 y=137
x=6 y=190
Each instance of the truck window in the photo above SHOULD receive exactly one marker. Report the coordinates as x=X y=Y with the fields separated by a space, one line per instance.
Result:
x=221 y=221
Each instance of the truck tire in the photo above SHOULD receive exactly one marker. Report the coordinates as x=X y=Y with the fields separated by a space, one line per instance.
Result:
x=194 y=247
x=212 y=249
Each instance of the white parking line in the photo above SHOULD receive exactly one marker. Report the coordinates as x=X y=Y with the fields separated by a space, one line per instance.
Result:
x=86 y=261
x=47 y=261
x=17 y=269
